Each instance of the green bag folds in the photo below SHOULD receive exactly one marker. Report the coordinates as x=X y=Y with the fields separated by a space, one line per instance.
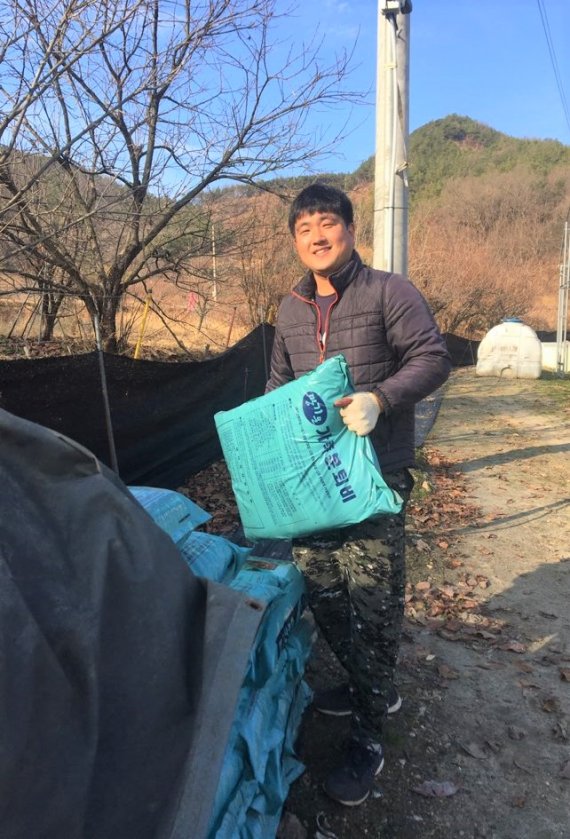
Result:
x=295 y=467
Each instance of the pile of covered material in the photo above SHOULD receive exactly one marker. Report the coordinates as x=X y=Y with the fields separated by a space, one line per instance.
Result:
x=142 y=701
x=259 y=763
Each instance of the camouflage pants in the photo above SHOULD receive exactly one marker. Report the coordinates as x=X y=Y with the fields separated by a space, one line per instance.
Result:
x=356 y=583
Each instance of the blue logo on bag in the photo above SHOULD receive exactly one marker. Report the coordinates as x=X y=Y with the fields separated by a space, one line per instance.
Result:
x=314 y=408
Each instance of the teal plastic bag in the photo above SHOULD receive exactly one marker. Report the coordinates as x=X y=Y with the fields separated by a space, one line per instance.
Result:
x=295 y=467
x=173 y=512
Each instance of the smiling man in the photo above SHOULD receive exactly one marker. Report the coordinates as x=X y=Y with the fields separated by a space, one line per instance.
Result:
x=356 y=576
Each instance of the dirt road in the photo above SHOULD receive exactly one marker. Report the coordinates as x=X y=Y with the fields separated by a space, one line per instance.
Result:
x=485 y=662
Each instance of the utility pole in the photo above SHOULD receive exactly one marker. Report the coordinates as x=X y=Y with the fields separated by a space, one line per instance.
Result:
x=214 y=274
x=562 y=320
x=392 y=128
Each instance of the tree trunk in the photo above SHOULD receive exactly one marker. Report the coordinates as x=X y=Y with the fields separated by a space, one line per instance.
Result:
x=50 y=309
x=105 y=311
x=108 y=326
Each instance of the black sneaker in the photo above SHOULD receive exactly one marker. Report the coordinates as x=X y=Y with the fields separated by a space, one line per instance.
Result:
x=394 y=700
x=351 y=783
x=337 y=702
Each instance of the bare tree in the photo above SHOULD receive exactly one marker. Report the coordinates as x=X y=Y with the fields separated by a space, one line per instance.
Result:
x=485 y=249
x=469 y=288
x=265 y=265
x=137 y=108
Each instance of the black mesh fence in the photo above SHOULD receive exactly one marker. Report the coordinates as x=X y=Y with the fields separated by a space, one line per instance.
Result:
x=162 y=413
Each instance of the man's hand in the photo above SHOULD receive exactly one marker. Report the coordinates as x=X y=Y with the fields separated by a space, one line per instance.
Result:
x=360 y=412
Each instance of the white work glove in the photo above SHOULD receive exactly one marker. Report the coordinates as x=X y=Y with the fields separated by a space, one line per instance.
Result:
x=360 y=412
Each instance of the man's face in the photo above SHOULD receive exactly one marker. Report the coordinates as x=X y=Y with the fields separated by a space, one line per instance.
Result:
x=323 y=242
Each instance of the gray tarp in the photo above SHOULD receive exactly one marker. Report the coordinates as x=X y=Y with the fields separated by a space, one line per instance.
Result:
x=120 y=669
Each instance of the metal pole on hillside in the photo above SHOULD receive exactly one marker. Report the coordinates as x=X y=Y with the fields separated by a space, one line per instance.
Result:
x=562 y=320
x=392 y=128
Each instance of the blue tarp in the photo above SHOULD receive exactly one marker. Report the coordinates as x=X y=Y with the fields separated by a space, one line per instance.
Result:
x=259 y=763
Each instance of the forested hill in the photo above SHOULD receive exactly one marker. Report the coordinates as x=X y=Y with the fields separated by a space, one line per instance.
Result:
x=458 y=147
x=453 y=147
x=486 y=221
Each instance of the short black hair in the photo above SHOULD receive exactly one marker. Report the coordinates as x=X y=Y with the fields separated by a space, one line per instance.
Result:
x=321 y=198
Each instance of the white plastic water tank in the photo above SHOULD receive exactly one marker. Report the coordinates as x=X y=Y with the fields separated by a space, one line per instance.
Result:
x=511 y=350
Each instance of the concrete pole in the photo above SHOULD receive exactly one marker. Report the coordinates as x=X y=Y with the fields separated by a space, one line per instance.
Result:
x=392 y=129
x=214 y=274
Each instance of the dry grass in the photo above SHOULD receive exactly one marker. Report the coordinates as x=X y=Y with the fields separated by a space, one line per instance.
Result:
x=172 y=325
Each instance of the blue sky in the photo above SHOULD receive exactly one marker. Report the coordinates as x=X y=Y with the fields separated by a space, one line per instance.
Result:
x=486 y=59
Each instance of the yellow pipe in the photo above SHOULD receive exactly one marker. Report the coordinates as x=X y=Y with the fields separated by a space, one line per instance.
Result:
x=143 y=325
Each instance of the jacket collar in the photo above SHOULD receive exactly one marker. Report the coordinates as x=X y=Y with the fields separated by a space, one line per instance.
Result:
x=340 y=280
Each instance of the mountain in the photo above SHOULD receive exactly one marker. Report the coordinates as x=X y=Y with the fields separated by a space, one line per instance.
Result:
x=457 y=146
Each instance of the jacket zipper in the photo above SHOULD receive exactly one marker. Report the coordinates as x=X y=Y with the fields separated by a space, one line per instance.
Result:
x=326 y=332
x=321 y=343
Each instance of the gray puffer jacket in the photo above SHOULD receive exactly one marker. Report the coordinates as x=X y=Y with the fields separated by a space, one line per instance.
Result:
x=382 y=325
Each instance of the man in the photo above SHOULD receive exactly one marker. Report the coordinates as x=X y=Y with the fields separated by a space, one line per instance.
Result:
x=396 y=356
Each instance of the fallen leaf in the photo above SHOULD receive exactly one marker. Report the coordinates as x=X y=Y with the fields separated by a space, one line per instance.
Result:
x=422 y=546
x=551 y=659
x=516 y=733
x=419 y=651
x=447 y=672
x=513 y=647
x=560 y=731
x=449 y=636
x=551 y=705
x=443 y=544
x=474 y=750
x=482 y=633
x=423 y=586
x=565 y=674
x=436 y=789
x=523 y=683
x=518 y=801
x=494 y=745
x=469 y=603
x=436 y=609
x=454 y=563
x=524 y=666
x=521 y=766
x=435 y=622
x=453 y=625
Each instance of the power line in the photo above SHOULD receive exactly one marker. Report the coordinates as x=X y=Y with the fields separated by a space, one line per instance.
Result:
x=554 y=60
